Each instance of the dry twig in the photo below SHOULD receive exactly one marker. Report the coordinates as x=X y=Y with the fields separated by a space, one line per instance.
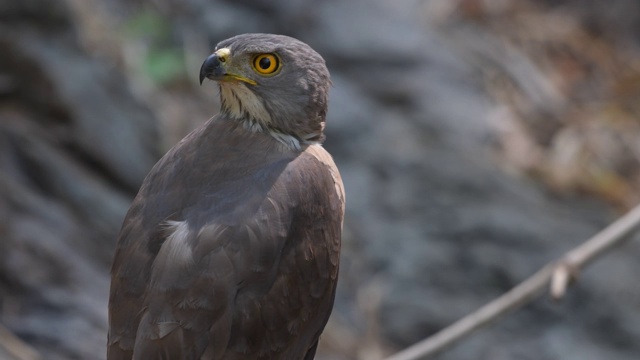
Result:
x=558 y=274
x=12 y=346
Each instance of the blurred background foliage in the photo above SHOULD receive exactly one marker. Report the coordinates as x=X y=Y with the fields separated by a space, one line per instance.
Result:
x=161 y=60
x=578 y=116
x=478 y=140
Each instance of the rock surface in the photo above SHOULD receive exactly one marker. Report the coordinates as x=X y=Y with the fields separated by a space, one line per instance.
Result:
x=438 y=222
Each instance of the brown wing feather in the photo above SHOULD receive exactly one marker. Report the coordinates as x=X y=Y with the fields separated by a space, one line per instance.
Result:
x=233 y=258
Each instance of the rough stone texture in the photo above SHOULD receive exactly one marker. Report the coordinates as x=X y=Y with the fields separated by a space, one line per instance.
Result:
x=74 y=147
x=436 y=224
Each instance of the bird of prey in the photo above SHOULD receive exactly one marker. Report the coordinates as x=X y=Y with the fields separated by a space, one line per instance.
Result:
x=230 y=250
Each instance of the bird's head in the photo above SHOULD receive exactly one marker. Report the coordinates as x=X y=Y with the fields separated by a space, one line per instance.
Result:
x=271 y=83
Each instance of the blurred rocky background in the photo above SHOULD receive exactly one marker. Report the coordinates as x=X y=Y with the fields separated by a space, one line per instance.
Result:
x=478 y=140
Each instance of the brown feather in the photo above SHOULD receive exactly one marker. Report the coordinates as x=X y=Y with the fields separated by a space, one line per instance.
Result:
x=230 y=250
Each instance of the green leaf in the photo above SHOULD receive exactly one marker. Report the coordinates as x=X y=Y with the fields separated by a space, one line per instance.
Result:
x=164 y=65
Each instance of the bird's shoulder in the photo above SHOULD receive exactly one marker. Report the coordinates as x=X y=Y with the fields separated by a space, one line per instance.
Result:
x=208 y=222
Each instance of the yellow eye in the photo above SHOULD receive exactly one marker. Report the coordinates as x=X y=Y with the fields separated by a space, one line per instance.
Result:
x=266 y=64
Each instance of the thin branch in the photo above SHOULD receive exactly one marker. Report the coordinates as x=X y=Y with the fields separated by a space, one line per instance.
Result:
x=12 y=345
x=573 y=262
x=562 y=272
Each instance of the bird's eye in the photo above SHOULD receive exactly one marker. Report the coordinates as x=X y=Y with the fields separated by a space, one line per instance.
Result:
x=266 y=64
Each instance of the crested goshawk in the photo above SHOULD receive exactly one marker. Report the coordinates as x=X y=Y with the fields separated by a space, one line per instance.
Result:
x=230 y=250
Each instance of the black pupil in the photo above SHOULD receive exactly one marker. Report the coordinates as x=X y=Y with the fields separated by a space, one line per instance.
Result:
x=264 y=63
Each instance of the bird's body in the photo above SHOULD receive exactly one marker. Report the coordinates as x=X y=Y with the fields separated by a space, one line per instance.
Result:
x=231 y=248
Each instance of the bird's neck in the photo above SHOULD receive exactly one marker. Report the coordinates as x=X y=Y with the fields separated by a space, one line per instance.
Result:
x=243 y=105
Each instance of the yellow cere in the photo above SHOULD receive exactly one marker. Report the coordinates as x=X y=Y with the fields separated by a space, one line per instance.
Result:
x=223 y=54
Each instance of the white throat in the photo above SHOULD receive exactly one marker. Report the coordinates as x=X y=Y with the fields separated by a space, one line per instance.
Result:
x=242 y=104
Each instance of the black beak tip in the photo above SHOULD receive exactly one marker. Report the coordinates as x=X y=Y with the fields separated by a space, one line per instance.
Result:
x=207 y=66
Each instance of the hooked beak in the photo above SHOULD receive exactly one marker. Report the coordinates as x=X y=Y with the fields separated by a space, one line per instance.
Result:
x=214 y=68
